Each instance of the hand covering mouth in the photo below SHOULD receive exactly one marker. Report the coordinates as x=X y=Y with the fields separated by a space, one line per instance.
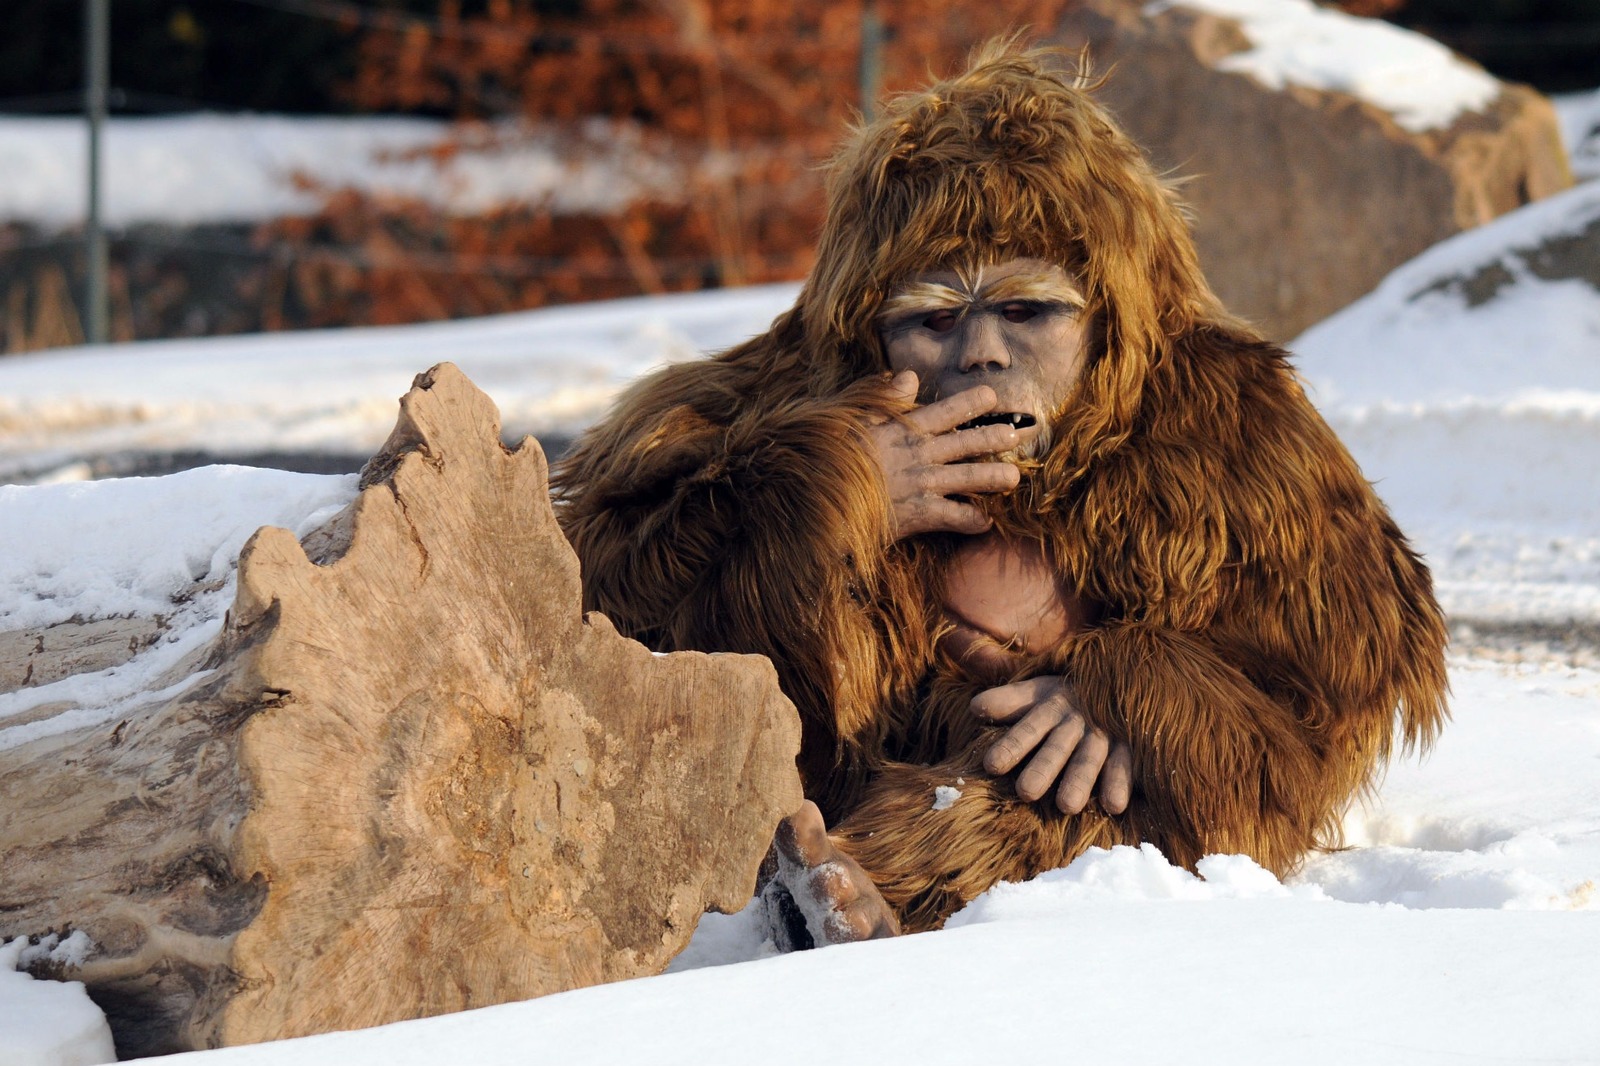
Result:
x=1014 y=419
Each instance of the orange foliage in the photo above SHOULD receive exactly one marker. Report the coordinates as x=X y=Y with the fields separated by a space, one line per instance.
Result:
x=765 y=85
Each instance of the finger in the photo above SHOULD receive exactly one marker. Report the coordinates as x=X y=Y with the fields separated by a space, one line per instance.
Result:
x=971 y=477
x=1045 y=766
x=1003 y=703
x=966 y=443
x=1116 y=779
x=1083 y=769
x=941 y=416
x=803 y=837
x=953 y=516
x=1024 y=737
x=903 y=387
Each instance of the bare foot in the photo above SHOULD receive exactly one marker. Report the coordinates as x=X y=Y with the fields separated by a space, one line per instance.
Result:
x=838 y=899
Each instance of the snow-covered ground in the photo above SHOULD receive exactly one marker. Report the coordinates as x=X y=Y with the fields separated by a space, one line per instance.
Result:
x=1464 y=924
x=1468 y=384
x=197 y=168
x=551 y=372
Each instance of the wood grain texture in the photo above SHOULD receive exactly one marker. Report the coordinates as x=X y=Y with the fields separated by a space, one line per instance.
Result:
x=411 y=777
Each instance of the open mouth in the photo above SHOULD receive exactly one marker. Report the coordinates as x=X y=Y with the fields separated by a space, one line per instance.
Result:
x=1014 y=419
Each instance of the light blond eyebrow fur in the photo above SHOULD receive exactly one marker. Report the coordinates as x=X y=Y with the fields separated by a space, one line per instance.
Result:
x=935 y=296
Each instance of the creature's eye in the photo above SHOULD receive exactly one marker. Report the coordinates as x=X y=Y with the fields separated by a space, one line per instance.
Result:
x=942 y=321
x=1017 y=312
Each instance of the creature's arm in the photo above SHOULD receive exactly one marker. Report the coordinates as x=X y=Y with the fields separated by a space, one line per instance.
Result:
x=1219 y=765
x=1266 y=636
x=1268 y=627
x=713 y=532
x=767 y=530
x=761 y=530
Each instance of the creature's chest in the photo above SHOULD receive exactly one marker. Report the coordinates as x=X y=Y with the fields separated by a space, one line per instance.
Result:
x=1007 y=602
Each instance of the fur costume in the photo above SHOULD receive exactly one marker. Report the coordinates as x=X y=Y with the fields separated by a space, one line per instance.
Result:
x=1266 y=635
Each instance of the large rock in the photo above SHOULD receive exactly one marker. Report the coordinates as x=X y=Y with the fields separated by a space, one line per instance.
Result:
x=1307 y=192
x=409 y=776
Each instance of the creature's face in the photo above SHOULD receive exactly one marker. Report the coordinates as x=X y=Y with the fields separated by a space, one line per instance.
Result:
x=1016 y=326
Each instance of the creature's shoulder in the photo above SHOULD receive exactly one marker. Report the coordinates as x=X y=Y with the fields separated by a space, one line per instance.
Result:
x=1238 y=397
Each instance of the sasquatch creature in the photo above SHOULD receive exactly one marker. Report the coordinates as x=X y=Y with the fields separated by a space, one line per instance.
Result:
x=1049 y=550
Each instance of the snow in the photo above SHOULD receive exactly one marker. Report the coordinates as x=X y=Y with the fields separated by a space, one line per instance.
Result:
x=944 y=797
x=1462 y=924
x=1417 y=80
x=163 y=548
x=1229 y=980
x=48 y=1023
x=1480 y=424
x=216 y=168
x=550 y=371
x=1579 y=114
x=72 y=551
x=212 y=168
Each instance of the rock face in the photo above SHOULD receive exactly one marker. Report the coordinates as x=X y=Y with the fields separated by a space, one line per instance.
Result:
x=1305 y=197
x=408 y=778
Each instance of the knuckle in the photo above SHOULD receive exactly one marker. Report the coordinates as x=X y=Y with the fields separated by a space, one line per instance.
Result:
x=1070 y=728
x=1056 y=747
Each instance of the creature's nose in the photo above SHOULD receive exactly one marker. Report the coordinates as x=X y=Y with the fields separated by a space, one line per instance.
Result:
x=982 y=345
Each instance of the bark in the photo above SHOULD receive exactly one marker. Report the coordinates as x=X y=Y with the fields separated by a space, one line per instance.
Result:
x=409 y=777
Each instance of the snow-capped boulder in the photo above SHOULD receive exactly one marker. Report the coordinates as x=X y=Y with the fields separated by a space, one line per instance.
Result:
x=1323 y=150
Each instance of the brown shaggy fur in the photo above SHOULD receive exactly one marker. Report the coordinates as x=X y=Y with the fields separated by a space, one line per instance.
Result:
x=1267 y=633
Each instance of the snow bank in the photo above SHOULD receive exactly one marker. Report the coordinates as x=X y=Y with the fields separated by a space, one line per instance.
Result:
x=1240 y=981
x=1417 y=80
x=202 y=168
x=1580 y=131
x=1504 y=813
x=102 y=549
x=550 y=371
x=1468 y=386
x=153 y=547
x=48 y=1023
x=1125 y=873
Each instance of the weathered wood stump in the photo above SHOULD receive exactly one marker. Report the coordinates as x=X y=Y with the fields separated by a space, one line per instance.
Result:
x=412 y=777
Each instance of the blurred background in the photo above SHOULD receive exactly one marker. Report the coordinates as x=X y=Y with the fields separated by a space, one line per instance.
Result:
x=480 y=156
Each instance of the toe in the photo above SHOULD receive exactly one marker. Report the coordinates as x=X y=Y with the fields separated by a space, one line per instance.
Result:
x=803 y=837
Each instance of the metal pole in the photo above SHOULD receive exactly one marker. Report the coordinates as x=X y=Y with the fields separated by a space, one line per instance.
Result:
x=97 y=51
x=871 y=59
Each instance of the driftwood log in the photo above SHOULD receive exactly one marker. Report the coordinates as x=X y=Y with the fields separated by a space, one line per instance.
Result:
x=415 y=779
